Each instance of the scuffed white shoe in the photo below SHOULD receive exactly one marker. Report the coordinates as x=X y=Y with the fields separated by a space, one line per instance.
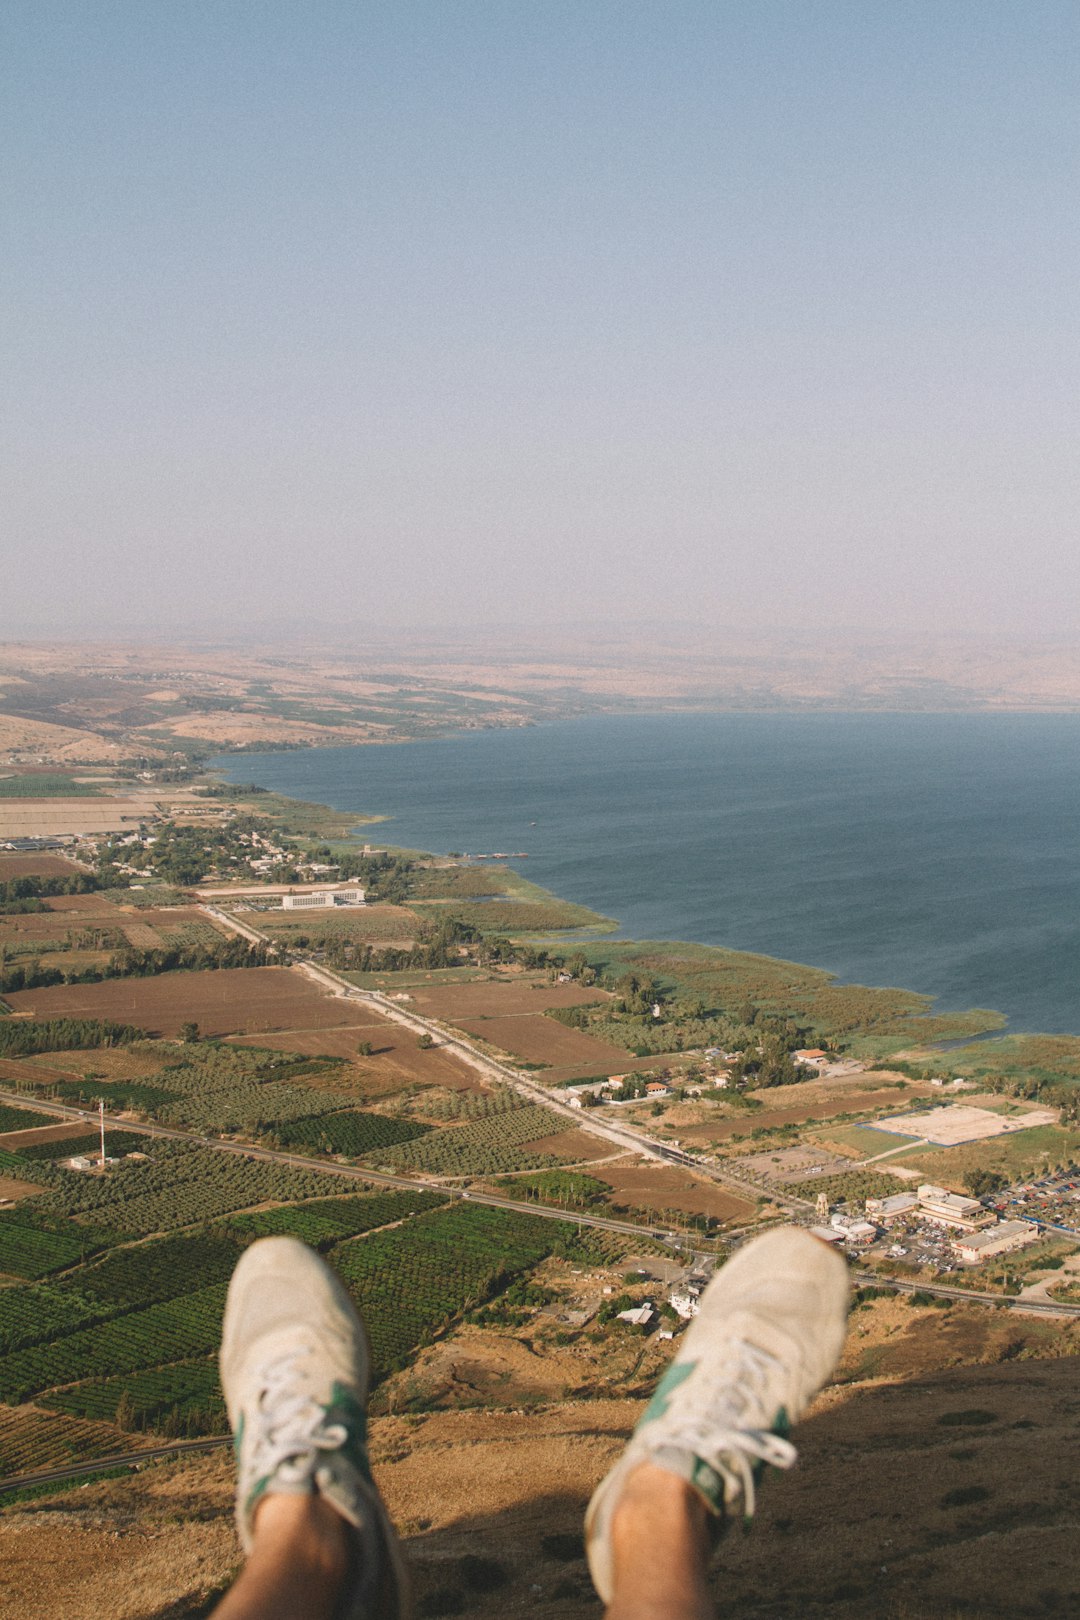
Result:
x=766 y=1338
x=295 y=1370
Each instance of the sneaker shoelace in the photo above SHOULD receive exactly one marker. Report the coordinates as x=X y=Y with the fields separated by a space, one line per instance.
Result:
x=291 y=1428
x=712 y=1428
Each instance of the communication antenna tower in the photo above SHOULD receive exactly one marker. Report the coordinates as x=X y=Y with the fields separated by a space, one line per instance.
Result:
x=822 y=1207
x=101 y=1121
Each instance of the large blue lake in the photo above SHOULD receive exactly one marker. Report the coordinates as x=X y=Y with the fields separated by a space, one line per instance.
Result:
x=937 y=853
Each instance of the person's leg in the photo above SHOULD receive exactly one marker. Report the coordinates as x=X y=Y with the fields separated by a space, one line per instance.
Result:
x=768 y=1335
x=294 y=1369
x=297 y=1566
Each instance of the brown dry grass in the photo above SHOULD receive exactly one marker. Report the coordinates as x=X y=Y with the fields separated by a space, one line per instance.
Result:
x=573 y=1146
x=228 y=1001
x=865 y=1528
x=396 y=1060
x=653 y=1186
x=721 y=1127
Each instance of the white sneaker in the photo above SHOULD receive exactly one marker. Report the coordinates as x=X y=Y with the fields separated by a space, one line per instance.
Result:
x=768 y=1335
x=295 y=1369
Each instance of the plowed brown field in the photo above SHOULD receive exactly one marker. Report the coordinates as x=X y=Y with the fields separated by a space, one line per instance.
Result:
x=537 y=1039
x=227 y=1002
x=32 y=865
x=501 y=998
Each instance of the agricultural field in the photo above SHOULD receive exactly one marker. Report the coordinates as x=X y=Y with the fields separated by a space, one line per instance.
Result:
x=180 y=1398
x=367 y=925
x=228 y=1001
x=30 y=1249
x=412 y=1282
x=501 y=1142
x=324 y=1222
x=31 y=1440
x=504 y=997
x=353 y=1132
x=36 y=864
x=532 y=1038
x=20 y=1120
x=394 y=1064
x=783 y=1106
x=655 y=1190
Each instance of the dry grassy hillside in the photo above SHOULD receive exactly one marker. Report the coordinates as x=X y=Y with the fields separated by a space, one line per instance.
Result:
x=919 y=1496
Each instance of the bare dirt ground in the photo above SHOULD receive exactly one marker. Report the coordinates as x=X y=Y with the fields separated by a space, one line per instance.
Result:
x=12 y=1189
x=654 y=1187
x=12 y=1140
x=782 y=1107
x=228 y=1001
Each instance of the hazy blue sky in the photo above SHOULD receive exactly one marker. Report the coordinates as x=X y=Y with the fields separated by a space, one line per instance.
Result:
x=426 y=310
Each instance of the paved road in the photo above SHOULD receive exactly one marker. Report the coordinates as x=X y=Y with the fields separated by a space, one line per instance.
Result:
x=122 y=1459
x=1012 y=1302
x=298 y=1161
x=581 y=1119
x=492 y=1068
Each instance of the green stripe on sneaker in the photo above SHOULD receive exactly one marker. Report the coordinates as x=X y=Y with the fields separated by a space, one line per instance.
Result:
x=677 y=1374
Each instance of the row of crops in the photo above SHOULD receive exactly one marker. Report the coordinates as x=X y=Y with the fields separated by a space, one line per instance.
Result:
x=130 y=1338
x=33 y=1440
x=412 y=1281
x=22 y=1119
x=31 y=1247
x=181 y=1399
x=485 y=1146
x=354 y=1131
x=171 y=1331
x=184 y=1183
x=327 y=1221
x=117 y=1143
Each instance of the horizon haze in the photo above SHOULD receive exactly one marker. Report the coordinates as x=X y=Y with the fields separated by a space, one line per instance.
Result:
x=475 y=316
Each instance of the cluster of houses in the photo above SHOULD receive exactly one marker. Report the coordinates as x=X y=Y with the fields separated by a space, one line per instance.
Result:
x=978 y=1233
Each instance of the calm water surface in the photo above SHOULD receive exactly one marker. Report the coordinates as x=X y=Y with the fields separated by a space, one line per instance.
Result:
x=939 y=853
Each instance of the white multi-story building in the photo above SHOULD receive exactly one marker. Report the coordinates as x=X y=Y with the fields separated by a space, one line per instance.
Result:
x=322 y=899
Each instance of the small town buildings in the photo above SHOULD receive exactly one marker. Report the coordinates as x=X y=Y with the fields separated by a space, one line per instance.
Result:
x=999 y=1239
x=816 y=1056
x=322 y=899
x=893 y=1208
x=684 y=1301
x=952 y=1209
x=640 y=1316
x=857 y=1232
x=657 y=1088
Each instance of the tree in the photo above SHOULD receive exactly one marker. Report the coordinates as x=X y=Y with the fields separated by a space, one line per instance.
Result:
x=981 y=1182
x=424 y=1042
x=189 y=1032
x=364 y=1049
